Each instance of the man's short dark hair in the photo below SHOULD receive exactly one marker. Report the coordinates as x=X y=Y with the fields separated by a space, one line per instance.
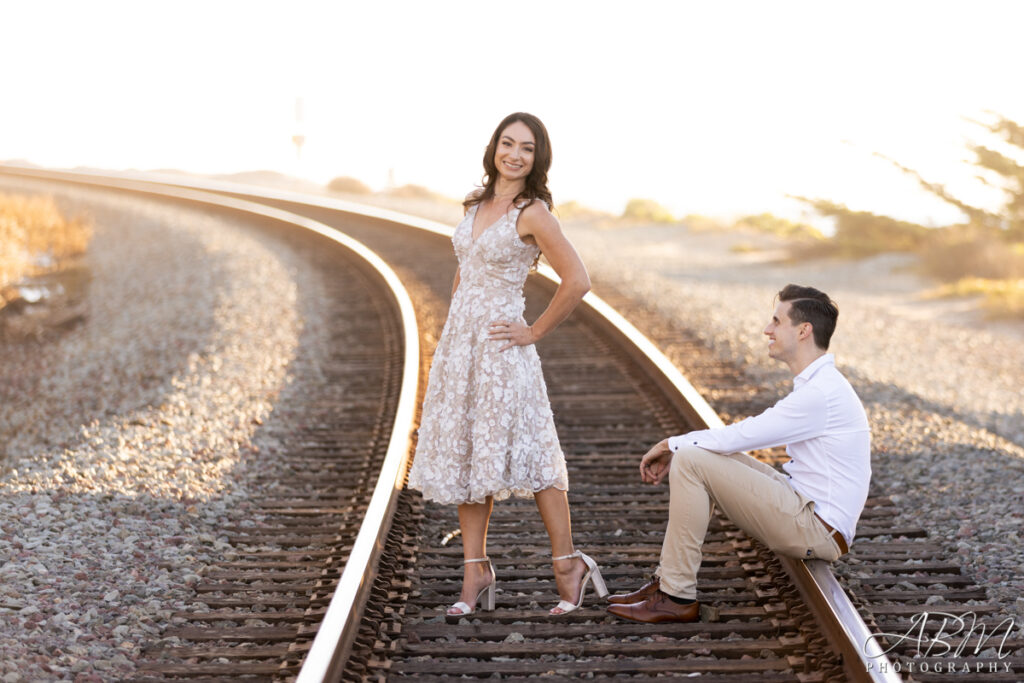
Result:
x=810 y=305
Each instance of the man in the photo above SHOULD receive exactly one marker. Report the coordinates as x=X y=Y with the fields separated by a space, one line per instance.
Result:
x=810 y=511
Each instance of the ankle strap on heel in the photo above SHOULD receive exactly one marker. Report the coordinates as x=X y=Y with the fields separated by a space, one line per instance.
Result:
x=575 y=553
x=477 y=559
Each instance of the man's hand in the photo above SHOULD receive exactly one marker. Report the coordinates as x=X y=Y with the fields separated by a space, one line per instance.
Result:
x=655 y=463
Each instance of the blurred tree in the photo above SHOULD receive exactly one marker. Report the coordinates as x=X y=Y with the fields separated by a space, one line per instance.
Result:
x=862 y=232
x=1011 y=217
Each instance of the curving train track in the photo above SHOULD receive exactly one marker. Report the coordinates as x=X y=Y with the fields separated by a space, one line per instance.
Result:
x=323 y=590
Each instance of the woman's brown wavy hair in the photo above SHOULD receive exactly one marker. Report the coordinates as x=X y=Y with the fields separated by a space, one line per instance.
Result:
x=536 y=182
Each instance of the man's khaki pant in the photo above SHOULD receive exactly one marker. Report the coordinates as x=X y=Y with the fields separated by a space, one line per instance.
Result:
x=757 y=498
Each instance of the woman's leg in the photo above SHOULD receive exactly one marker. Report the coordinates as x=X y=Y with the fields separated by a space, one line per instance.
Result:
x=473 y=520
x=553 y=504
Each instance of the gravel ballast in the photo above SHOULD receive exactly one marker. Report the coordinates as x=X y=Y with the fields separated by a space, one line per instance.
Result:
x=131 y=454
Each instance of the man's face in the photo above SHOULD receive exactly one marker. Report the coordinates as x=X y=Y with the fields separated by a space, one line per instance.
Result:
x=783 y=334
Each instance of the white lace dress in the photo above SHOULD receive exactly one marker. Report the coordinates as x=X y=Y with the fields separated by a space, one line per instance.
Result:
x=486 y=428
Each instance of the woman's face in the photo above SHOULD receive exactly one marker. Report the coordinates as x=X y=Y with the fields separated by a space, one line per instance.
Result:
x=514 y=155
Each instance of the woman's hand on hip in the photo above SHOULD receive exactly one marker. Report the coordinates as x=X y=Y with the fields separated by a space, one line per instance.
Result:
x=513 y=333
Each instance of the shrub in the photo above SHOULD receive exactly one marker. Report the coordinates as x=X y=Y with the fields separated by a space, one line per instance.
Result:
x=647 y=210
x=36 y=238
x=774 y=225
x=348 y=186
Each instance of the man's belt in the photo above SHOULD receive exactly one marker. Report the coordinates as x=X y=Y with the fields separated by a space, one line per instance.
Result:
x=836 y=536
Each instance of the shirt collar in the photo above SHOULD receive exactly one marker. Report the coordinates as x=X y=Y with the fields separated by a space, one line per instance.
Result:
x=812 y=369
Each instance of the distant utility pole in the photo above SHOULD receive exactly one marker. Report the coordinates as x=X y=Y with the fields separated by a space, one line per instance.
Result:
x=298 y=138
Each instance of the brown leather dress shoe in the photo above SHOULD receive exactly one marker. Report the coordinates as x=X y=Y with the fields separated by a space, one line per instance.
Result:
x=646 y=591
x=658 y=609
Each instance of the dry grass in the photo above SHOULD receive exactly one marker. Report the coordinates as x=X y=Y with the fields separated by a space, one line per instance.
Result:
x=35 y=238
x=1002 y=298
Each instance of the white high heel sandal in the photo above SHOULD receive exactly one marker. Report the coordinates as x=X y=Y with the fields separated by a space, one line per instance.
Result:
x=487 y=592
x=593 y=572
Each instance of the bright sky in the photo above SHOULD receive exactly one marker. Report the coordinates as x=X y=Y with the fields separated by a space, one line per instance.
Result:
x=718 y=108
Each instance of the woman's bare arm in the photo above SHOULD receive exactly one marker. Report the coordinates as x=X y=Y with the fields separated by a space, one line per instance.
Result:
x=536 y=222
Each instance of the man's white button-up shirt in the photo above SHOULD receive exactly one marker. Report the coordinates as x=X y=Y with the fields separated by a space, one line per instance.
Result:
x=825 y=430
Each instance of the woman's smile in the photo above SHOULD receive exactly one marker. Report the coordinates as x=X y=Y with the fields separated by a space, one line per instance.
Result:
x=514 y=154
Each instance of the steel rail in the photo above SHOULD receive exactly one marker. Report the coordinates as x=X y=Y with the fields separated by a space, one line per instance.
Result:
x=336 y=633
x=863 y=659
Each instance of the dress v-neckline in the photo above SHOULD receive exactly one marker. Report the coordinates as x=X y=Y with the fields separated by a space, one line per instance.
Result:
x=472 y=224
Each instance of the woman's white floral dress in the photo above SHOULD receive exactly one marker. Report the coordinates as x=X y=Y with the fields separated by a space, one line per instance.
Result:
x=486 y=428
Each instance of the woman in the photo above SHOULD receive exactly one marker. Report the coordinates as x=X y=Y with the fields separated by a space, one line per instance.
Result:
x=486 y=430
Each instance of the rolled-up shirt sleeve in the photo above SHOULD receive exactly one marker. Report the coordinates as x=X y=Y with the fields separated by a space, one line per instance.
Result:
x=799 y=416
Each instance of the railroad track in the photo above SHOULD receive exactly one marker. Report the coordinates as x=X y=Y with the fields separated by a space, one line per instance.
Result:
x=255 y=612
x=609 y=404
